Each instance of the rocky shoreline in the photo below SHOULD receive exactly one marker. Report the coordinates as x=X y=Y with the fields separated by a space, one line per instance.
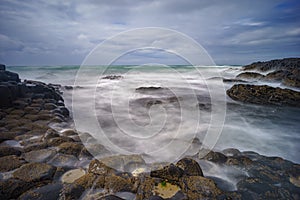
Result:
x=39 y=162
x=285 y=71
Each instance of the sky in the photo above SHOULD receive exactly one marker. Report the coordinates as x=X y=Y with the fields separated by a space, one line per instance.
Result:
x=232 y=32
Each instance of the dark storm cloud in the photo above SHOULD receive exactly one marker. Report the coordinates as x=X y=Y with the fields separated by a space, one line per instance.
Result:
x=64 y=32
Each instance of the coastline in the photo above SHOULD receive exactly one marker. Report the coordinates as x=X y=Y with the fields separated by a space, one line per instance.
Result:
x=37 y=159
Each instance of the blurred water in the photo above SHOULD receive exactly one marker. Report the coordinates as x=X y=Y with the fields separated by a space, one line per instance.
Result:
x=268 y=130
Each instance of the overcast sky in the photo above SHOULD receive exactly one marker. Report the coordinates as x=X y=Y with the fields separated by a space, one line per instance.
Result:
x=64 y=32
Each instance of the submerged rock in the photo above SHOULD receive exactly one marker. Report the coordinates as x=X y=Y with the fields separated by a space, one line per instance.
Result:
x=263 y=94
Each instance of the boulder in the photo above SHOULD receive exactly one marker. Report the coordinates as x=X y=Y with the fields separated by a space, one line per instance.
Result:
x=263 y=94
x=8 y=150
x=169 y=172
x=8 y=163
x=190 y=167
x=32 y=172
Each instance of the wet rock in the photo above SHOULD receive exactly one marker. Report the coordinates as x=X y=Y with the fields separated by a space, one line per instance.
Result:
x=8 y=163
x=116 y=183
x=2 y=67
x=70 y=148
x=34 y=172
x=50 y=133
x=277 y=75
x=233 y=80
x=190 y=167
x=41 y=155
x=198 y=187
x=250 y=76
x=112 y=77
x=99 y=168
x=216 y=157
x=148 y=88
x=71 y=191
x=12 y=188
x=63 y=160
x=111 y=197
x=231 y=152
x=58 y=140
x=166 y=190
x=286 y=63
x=35 y=146
x=47 y=192
x=169 y=172
x=8 y=150
x=69 y=132
x=239 y=161
x=263 y=94
x=292 y=80
x=72 y=175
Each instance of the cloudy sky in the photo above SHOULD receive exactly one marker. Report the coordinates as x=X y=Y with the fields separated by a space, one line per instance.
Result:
x=64 y=32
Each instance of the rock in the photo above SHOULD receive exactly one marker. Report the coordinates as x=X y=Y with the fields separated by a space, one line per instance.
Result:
x=112 y=77
x=6 y=76
x=116 y=183
x=63 y=160
x=35 y=172
x=285 y=70
x=35 y=146
x=148 y=88
x=216 y=157
x=292 y=80
x=190 y=167
x=47 y=192
x=13 y=188
x=71 y=148
x=198 y=187
x=239 y=161
x=2 y=67
x=111 y=197
x=277 y=75
x=169 y=172
x=231 y=152
x=250 y=76
x=8 y=150
x=8 y=163
x=72 y=175
x=41 y=155
x=59 y=140
x=263 y=94
x=286 y=63
x=233 y=80
x=99 y=168
x=69 y=132
x=166 y=190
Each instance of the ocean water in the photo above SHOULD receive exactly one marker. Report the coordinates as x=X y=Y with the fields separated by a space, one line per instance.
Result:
x=158 y=111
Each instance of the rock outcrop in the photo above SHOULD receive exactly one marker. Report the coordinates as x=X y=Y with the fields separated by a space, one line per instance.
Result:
x=284 y=71
x=263 y=94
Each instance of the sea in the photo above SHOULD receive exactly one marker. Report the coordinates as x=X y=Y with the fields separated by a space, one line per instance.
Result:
x=167 y=112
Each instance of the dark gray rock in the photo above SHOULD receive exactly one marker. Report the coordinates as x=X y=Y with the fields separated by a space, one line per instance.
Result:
x=2 y=67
